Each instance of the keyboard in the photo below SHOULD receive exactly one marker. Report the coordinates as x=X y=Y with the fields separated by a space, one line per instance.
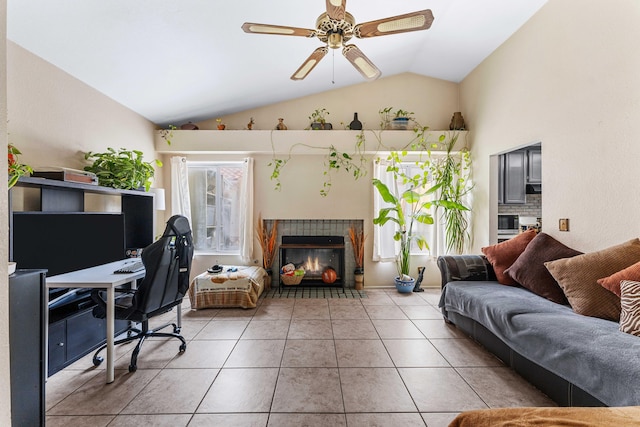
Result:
x=132 y=267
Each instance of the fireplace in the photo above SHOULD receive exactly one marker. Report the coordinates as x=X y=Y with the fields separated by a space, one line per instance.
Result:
x=314 y=254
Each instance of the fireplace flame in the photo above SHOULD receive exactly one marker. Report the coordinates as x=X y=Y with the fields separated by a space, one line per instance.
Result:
x=312 y=264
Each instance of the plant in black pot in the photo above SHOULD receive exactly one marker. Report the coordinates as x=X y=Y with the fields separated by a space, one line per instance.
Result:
x=319 y=120
x=123 y=169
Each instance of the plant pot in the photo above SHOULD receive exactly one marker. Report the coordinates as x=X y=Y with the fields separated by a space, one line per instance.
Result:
x=404 y=286
x=221 y=126
x=321 y=126
x=358 y=275
x=400 y=123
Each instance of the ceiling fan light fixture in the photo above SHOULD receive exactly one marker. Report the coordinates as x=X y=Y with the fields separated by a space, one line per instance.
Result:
x=335 y=40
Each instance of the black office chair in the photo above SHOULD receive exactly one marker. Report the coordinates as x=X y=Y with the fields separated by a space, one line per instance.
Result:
x=167 y=264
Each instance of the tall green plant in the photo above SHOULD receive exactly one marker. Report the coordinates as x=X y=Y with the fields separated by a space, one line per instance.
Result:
x=452 y=174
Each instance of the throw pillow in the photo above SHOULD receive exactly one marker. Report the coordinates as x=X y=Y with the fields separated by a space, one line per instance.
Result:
x=630 y=303
x=530 y=272
x=612 y=282
x=578 y=278
x=503 y=254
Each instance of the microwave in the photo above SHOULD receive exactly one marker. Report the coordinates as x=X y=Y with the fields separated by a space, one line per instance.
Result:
x=508 y=224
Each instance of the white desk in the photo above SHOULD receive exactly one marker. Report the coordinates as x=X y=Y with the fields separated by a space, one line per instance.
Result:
x=100 y=277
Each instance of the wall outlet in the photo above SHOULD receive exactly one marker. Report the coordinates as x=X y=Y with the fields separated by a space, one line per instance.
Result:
x=563 y=224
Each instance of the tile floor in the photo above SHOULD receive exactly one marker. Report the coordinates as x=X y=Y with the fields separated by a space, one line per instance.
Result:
x=385 y=360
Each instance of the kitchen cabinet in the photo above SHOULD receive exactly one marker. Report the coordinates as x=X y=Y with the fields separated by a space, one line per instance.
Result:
x=516 y=170
x=534 y=166
x=514 y=177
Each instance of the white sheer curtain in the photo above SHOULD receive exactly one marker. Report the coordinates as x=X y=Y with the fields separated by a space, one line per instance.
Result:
x=246 y=211
x=384 y=247
x=180 y=202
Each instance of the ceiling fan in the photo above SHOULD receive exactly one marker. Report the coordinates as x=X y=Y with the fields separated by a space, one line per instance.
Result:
x=336 y=26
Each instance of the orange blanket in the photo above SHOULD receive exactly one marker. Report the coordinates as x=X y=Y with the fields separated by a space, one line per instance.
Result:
x=557 y=417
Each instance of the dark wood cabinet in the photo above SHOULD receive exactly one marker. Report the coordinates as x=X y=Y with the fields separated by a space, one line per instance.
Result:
x=27 y=331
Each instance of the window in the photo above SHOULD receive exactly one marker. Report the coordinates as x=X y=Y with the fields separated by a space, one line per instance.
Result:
x=385 y=247
x=215 y=195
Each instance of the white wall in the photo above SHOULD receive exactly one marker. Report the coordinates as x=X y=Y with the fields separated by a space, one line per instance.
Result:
x=569 y=78
x=5 y=392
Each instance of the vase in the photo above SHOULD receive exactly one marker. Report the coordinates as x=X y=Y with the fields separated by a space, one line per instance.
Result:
x=457 y=122
x=404 y=286
x=358 y=275
x=355 y=124
x=321 y=126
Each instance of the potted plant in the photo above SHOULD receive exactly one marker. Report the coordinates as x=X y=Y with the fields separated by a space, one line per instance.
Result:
x=407 y=206
x=451 y=174
x=398 y=119
x=269 y=245
x=220 y=125
x=319 y=120
x=357 y=237
x=16 y=169
x=123 y=169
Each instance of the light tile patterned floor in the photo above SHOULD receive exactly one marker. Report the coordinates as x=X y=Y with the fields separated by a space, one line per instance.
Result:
x=356 y=359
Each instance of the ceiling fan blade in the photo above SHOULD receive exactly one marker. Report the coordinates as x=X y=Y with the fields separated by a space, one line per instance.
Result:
x=414 y=21
x=336 y=9
x=253 y=28
x=361 y=62
x=310 y=63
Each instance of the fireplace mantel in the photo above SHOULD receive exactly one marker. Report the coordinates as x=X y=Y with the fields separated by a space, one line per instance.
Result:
x=283 y=142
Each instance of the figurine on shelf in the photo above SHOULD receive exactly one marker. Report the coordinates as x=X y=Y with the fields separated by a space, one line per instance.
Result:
x=250 y=124
x=281 y=125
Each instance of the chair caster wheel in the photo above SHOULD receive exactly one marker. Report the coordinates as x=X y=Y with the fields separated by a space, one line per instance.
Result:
x=97 y=360
x=176 y=330
x=133 y=368
x=183 y=348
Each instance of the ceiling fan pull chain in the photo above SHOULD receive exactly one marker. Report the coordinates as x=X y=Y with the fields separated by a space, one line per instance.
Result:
x=333 y=67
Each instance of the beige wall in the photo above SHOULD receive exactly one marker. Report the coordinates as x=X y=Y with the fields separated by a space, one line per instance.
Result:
x=433 y=101
x=568 y=78
x=54 y=118
x=5 y=393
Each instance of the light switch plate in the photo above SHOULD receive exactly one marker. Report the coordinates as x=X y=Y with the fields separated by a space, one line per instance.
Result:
x=563 y=224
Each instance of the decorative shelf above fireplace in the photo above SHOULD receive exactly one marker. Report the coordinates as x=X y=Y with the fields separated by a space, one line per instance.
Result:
x=314 y=254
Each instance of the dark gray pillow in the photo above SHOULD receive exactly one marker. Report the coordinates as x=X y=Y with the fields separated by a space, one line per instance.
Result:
x=529 y=269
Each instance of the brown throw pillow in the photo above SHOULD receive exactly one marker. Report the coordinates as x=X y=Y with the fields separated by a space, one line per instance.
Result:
x=578 y=278
x=612 y=282
x=503 y=254
x=530 y=272
x=630 y=303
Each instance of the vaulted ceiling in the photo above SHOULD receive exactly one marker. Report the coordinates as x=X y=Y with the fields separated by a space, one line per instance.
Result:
x=173 y=61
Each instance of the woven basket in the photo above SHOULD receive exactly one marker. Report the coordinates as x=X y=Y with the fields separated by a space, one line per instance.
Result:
x=291 y=280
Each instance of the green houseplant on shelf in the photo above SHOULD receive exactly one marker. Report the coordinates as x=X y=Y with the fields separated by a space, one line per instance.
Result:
x=16 y=169
x=123 y=169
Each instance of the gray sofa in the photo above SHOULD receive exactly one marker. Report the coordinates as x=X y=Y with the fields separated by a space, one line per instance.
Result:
x=576 y=360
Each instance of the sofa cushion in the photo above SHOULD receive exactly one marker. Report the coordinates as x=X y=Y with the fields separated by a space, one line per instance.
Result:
x=578 y=278
x=630 y=307
x=503 y=254
x=612 y=282
x=530 y=272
